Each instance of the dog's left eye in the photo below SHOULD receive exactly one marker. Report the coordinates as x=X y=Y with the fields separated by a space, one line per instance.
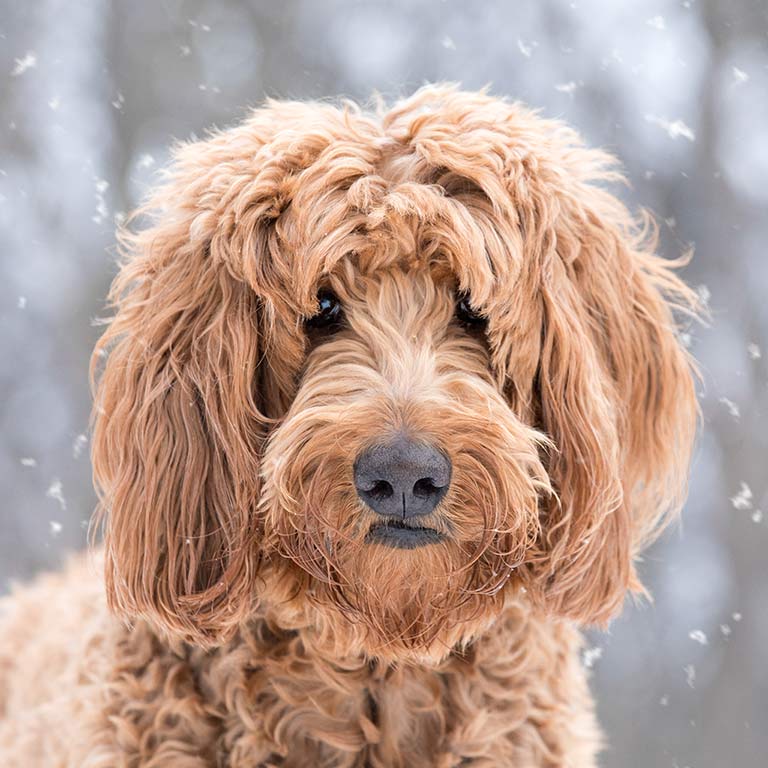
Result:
x=467 y=315
x=329 y=314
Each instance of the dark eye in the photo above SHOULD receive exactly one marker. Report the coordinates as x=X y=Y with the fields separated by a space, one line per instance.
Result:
x=468 y=316
x=329 y=313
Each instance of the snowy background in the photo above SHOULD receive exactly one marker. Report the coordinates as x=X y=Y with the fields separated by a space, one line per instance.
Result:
x=91 y=94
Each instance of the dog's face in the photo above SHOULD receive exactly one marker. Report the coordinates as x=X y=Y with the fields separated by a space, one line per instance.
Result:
x=385 y=373
x=400 y=487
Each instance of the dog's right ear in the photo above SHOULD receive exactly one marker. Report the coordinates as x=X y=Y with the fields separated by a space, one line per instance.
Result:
x=181 y=405
x=177 y=419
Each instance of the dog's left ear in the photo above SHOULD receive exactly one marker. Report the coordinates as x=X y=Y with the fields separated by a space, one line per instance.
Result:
x=615 y=395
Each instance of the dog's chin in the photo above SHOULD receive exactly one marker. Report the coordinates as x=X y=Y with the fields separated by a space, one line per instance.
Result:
x=406 y=634
x=406 y=594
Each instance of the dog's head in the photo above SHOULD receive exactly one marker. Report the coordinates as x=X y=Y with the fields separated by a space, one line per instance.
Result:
x=385 y=372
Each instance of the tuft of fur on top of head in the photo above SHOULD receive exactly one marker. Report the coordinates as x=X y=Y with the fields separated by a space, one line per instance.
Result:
x=225 y=431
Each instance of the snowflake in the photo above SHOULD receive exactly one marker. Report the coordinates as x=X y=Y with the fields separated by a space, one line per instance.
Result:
x=56 y=492
x=78 y=445
x=526 y=49
x=698 y=636
x=743 y=499
x=102 y=211
x=733 y=409
x=591 y=655
x=739 y=76
x=568 y=87
x=674 y=128
x=29 y=61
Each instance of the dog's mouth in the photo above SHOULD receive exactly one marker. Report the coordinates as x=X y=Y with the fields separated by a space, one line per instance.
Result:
x=399 y=535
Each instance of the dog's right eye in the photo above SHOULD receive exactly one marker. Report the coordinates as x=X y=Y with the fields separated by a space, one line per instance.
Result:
x=329 y=314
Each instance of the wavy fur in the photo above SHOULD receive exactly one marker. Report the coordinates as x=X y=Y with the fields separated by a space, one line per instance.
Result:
x=263 y=629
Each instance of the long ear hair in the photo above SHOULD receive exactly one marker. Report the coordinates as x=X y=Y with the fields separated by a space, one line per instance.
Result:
x=615 y=389
x=177 y=426
x=181 y=404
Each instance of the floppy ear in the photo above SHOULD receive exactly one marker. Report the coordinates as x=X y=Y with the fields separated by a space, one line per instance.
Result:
x=615 y=395
x=181 y=406
x=177 y=427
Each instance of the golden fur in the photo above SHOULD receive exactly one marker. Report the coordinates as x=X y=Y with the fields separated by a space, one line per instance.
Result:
x=263 y=629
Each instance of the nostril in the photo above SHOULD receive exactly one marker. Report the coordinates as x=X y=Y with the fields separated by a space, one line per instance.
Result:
x=381 y=490
x=425 y=487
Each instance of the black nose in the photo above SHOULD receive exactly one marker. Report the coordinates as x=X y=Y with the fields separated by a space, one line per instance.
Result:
x=402 y=478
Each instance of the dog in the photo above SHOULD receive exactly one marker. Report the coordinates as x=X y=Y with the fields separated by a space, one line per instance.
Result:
x=389 y=404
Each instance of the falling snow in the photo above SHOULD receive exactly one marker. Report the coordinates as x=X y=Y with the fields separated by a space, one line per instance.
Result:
x=29 y=61
x=78 y=444
x=56 y=492
x=526 y=48
x=674 y=128
x=100 y=186
x=698 y=636
x=733 y=409
x=743 y=499
x=739 y=76
x=591 y=655
x=568 y=87
x=652 y=68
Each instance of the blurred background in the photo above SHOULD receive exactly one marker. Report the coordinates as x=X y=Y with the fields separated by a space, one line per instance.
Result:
x=91 y=95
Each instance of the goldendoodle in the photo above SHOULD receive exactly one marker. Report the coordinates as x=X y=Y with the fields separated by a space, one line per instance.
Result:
x=388 y=406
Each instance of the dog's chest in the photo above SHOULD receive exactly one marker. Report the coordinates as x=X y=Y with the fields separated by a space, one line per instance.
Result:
x=267 y=700
x=319 y=713
x=287 y=706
